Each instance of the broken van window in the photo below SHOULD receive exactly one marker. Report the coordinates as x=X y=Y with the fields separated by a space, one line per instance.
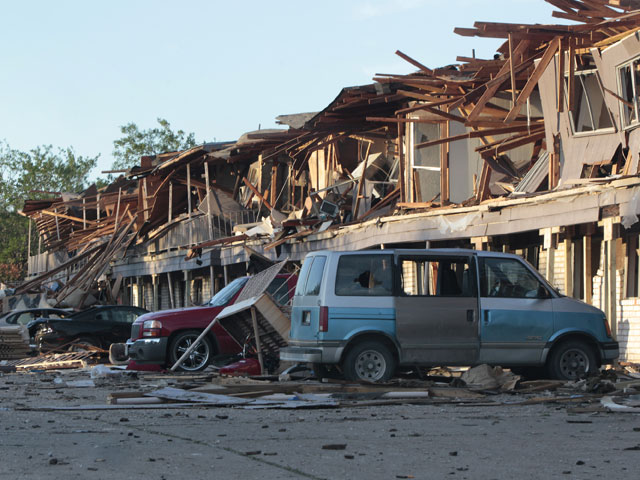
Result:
x=436 y=277
x=365 y=275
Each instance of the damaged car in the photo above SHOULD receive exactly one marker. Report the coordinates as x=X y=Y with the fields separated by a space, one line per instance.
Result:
x=99 y=326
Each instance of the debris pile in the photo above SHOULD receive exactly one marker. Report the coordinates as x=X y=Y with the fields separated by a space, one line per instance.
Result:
x=14 y=342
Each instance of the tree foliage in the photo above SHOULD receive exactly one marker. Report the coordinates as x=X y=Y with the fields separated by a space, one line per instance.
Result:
x=42 y=169
x=135 y=143
x=26 y=175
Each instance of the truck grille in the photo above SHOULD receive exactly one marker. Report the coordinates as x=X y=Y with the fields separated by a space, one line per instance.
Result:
x=135 y=331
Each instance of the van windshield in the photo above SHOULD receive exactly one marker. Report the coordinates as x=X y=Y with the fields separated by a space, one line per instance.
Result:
x=225 y=295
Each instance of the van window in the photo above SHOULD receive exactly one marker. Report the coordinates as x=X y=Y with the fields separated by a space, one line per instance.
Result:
x=509 y=278
x=433 y=277
x=365 y=275
x=311 y=276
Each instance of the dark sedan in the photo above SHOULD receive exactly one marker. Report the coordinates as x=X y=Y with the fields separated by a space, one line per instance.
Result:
x=98 y=326
x=23 y=317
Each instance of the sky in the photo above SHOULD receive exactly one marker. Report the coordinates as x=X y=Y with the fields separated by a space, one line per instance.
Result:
x=73 y=72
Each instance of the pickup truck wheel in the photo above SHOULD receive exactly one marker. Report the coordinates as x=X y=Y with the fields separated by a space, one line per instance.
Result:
x=572 y=360
x=198 y=359
x=370 y=361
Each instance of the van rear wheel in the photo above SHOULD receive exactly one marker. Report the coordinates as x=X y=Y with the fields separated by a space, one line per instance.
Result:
x=370 y=361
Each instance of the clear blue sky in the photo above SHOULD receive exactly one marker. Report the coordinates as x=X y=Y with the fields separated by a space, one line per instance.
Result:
x=74 y=71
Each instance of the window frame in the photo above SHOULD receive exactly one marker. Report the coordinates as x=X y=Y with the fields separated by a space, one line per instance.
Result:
x=482 y=266
x=572 y=123
x=621 y=93
x=392 y=268
x=473 y=287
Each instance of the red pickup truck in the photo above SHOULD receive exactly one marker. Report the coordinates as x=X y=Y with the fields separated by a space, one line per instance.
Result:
x=160 y=338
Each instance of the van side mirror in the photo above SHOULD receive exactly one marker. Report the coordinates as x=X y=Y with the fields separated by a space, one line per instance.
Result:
x=543 y=292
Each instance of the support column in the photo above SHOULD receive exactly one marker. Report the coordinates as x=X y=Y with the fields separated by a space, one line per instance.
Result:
x=480 y=243
x=611 y=231
x=187 y=288
x=156 y=297
x=171 y=299
x=139 y=292
x=588 y=274
x=226 y=275
x=550 y=245
x=568 y=267
x=212 y=285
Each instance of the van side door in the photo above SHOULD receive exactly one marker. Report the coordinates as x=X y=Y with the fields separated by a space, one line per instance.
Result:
x=517 y=312
x=437 y=309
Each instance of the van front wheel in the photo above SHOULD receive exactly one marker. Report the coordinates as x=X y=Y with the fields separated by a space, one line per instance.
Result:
x=572 y=360
x=369 y=361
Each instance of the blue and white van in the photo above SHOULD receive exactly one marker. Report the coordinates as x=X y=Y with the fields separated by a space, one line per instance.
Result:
x=368 y=312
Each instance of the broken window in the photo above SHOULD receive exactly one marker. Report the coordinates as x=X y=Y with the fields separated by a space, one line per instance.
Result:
x=589 y=112
x=425 y=180
x=629 y=78
x=436 y=278
x=508 y=278
x=365 y=275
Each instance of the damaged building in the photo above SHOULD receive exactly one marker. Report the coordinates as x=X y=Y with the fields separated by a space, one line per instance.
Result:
x=535 y=152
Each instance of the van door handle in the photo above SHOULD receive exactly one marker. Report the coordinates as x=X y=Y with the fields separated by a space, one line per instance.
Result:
x=470 y=315
x=486 y=317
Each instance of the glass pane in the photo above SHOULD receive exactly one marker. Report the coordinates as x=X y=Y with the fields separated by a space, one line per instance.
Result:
x=437 y=277
x=589 y=111
x=508 y=278
x=226 y=294
x=315 y=276
x=626 y=83
x=365 y=275
x=304 y=275
x=279 y=289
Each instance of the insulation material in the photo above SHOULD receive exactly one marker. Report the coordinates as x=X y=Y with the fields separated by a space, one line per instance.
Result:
x=456 y=225
x=629 y=211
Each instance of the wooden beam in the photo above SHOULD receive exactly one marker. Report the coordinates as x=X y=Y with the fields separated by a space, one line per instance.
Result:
x=492 y=87
x=415 y=63
x=257 y=193
x=513 y=73
x=560 y=79
x=534 y=78
x=477 y=133
x=68 y=217
x=571 y=87
x=444 y=166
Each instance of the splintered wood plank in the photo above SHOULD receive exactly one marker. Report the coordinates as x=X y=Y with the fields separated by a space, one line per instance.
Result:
x=257 y=193
x=413 y=62
x=560 y=80
x=493 y=86
x=533 y=79
x=571 y=87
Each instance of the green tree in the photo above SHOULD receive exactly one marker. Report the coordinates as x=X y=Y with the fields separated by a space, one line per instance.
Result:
x=28 y=175
x=135 y=143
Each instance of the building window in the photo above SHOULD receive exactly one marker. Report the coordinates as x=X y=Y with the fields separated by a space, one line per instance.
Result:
x=589 y=112
x=629 y=80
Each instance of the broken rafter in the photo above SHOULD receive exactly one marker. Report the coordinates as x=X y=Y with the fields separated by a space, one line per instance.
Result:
x=533 y=79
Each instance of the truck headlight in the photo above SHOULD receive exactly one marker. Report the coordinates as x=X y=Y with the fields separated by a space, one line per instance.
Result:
x=151 y=328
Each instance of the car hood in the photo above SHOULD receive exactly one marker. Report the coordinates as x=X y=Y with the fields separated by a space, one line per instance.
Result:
x=180 y=313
